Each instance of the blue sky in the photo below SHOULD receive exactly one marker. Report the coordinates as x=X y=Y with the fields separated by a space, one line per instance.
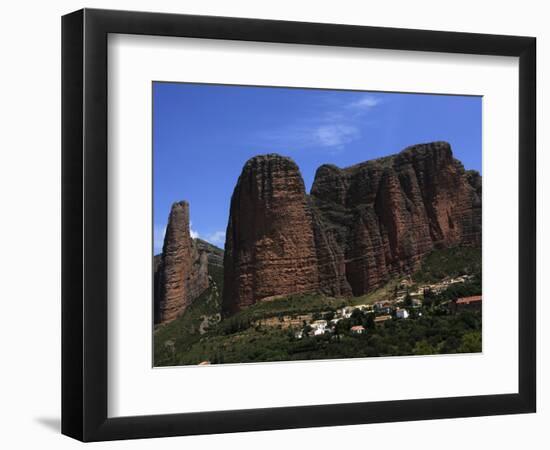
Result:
x=203 y=135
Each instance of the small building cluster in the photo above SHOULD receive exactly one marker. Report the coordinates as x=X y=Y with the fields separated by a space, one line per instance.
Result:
x=382 y=312
x=401 y=306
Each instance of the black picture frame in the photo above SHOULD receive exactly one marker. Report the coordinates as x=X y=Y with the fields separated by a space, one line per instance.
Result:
x=84 y=224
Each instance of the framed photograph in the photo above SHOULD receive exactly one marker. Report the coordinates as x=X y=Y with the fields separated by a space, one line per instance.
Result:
x=272 y=224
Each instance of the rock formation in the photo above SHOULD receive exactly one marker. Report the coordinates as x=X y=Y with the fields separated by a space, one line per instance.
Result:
x=182 y=272
x=382 y=216
x=359 y=226
x=215 y=254
x=269 y=248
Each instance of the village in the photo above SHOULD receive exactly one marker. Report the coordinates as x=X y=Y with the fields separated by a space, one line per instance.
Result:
x=407 y=301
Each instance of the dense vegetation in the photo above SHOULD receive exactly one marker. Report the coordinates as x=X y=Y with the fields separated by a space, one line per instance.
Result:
x=260 y=333
x=451 y=262
x=428 y=334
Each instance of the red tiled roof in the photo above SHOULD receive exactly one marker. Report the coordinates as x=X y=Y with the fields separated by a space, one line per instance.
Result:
x=468 y=300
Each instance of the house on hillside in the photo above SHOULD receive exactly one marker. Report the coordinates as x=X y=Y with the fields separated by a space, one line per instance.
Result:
x=363 y=307
x=319 y=324
x=380 y=319
x=383 y=307
x=472 y=303
x=402 y=314
x=318 y=327
x=357 y=329
x=347 y=312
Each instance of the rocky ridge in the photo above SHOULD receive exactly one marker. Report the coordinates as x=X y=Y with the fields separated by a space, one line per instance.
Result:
x=358 y=227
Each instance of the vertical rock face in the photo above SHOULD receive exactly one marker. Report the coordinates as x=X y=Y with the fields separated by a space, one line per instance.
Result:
x=384 y=215
x=359 y=226
x=182 y=273
x=270 y=247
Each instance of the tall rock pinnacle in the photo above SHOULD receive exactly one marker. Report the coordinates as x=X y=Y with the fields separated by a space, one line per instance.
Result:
x=182 y=270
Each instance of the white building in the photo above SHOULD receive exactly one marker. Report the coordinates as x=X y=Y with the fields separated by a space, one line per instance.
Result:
x=319 y=324
x=402 y=314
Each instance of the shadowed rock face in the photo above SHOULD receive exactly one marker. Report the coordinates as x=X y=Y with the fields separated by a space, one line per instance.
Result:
x=360 y=225
x=269 y=248
x=384 y=215
x=182 y=272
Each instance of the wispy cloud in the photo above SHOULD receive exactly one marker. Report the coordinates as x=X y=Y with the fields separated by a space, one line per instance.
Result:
x=337 y=135
x=335 y=124
x=365 y=102
x=194 y=234
x=217 y=238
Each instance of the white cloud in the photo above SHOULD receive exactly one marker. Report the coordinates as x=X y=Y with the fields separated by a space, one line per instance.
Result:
x=336 y=135
x=217 y=238
x=365 y=102
x=194 y=234
x=328 y=128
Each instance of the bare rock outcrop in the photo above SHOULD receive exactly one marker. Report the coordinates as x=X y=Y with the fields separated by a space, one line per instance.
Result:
x=270 y=246
x=182 y=272
x=359 y=226
x=382 y=216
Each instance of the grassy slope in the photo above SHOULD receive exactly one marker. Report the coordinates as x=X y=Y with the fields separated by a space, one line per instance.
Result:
x=240 y=338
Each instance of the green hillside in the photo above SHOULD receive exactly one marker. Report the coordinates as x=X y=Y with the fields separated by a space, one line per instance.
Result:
x=267 y=330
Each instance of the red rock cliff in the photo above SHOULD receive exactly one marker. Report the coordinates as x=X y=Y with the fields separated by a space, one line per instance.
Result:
x=182 y=272
x=360 y=226
x=269 y=248
x=379 y=218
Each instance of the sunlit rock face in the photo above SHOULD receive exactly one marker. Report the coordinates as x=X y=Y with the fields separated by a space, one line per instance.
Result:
x=269 y=248
x=181 y=274
x=359 y=226
x=384 y=215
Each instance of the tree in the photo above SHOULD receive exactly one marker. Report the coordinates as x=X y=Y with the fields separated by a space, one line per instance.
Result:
x=343 y=325
x=471 y=343
x=423 y=348
x=408 y=300
x=369 y=321
x=356 y=317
